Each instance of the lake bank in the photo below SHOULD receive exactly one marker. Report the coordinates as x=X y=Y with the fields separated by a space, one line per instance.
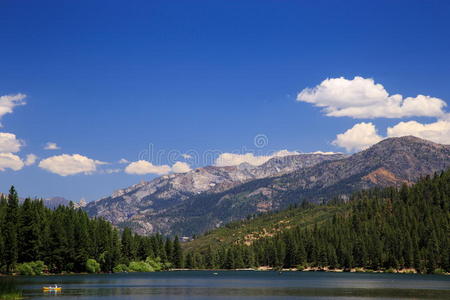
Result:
x=318 y=269
x=263 y=269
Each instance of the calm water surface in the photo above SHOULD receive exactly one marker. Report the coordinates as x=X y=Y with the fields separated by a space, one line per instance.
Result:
x=247 y=285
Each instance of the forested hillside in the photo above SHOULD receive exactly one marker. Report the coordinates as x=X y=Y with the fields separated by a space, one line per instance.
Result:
x=67 y=240
x=378 y=229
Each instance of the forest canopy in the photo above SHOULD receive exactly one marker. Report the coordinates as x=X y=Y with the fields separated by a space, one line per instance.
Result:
x=377 y=229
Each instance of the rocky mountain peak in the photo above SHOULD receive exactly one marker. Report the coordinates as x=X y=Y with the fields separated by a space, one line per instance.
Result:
x=206 y=197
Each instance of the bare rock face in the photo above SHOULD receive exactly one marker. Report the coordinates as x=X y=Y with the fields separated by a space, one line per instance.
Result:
x=150 y=198
x=190 y=203
x=383 y=177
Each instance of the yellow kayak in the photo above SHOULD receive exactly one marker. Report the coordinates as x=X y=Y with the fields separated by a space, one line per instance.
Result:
x=52 y=288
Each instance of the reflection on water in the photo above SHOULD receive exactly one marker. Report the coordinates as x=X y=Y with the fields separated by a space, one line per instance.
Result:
x=234 y=285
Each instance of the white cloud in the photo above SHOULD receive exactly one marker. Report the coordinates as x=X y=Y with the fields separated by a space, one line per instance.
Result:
x=9 y=142
x=233 y=159
x=180 y=167
x=143 y=167
x=363 y=135
x=359 y=137
x=324 y=153
x=112 y=171
x=363 y=98
x=8 y=102
x=123 y=161
x=8 y=145
x=51 y=146
x=438 y=132
x=10 y=161
x=66 y=164
x=186 y=156
x=283 y=153
x=30 y=159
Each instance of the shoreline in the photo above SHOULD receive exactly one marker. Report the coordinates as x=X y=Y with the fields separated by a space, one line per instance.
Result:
x=317 y=269
x=258 y=269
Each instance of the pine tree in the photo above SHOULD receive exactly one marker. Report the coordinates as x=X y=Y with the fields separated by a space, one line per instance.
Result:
x=168 y=246
x=57 y=253
x=29 y=239
x=211 y=258
x=3 y=205
x=128 y=247
x=189 y=261
x=83 y=245
x=11 y=240
x=116 y=251
x=177 y=253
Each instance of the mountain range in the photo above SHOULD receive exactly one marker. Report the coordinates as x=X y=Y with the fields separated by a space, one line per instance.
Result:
x=197 y=201
x=54 y=202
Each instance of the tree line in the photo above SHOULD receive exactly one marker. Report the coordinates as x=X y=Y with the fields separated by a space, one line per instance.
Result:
x=67 y=240
x=378 y=229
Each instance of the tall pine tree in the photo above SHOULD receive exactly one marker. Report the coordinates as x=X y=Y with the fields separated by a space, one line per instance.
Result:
x=11 y=247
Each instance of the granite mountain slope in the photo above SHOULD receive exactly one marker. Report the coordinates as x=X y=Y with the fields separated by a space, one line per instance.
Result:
x=136 y=204
x=175 y=205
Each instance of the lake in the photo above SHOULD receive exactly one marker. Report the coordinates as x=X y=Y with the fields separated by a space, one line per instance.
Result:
x=249 y=285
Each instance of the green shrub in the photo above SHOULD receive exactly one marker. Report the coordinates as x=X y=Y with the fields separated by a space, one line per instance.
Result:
x=39 y=267
x=92 y=266
x=390 y=270
x=8 y=289
x=300 y=268
x=439 y=272
x=120 y=268
x=11 y=296
x=31 y=268
x=25 y=269
x=155 y=263
x=149 y=265
x=166 y=266
x=140 y=266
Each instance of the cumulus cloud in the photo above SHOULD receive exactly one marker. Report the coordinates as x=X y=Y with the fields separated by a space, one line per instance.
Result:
x=66 y=164
x=186 y=156
x=364 y=135
x=180 y=167
x=30 y=159
x=99 y=162
x=233 y=159
x=143 y=167
x=283 y=153
x=438 y=132
x=51 y=146
x=10 y=161
x=9 y=142
x=112 y=171
x=324 y=153
x=8 y=102
x=123 y=161
x=363 y=98
x=359 y=137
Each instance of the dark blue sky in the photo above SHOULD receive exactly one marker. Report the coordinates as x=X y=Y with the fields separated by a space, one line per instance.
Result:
x=104 y=79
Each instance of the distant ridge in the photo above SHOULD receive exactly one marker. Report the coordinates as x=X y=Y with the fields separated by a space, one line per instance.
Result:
x=208 y=197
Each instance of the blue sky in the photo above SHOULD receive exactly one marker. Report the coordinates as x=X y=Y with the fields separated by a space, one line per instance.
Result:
x=108 y=80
